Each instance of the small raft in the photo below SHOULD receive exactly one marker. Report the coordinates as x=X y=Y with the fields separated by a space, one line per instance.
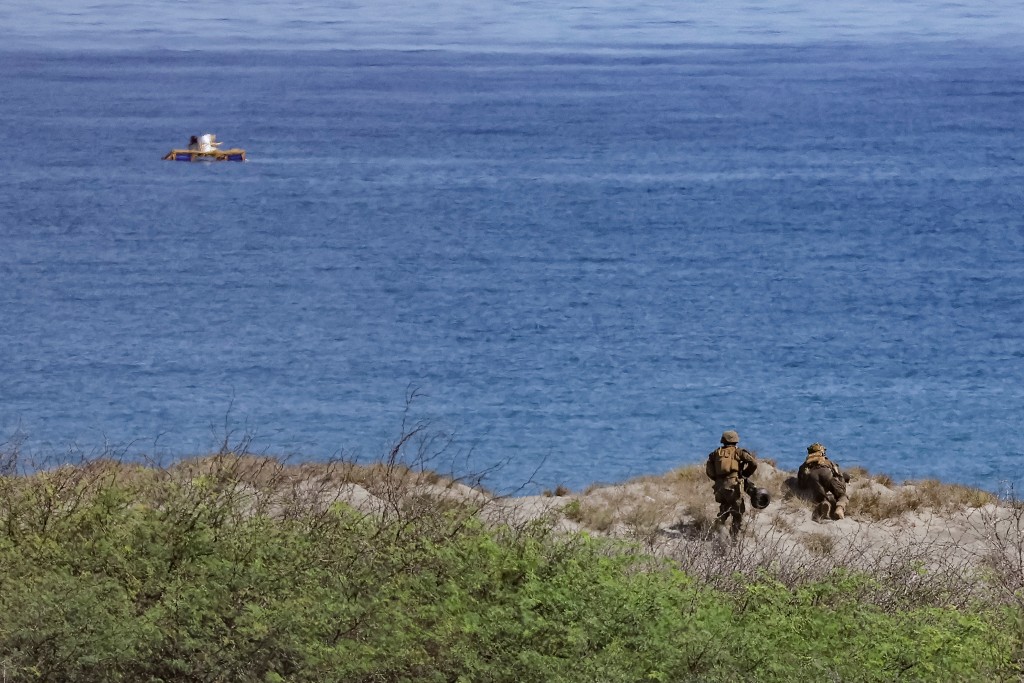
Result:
x=205 y=148
x=214 y=155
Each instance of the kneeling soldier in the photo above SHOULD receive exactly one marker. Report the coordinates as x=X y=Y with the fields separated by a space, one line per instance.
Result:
x=822 y=477
x=728 y=466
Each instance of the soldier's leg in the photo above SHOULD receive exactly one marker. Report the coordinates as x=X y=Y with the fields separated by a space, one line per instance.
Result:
x=723 y=508
x=738 y=508
x=723 y=505
x=727 y=498
x=737 y=523
x=822 y=507
x=723 y=496
x=838 y=486
x=719 y=530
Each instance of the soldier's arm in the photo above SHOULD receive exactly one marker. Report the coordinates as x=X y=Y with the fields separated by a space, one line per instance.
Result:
x=838 y=471
x=748 y=463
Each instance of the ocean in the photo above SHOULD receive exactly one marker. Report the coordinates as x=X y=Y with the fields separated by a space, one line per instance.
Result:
x=573 y=242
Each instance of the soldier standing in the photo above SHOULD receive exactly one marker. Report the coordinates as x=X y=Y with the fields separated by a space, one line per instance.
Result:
x=823 y=478
x=728 y=466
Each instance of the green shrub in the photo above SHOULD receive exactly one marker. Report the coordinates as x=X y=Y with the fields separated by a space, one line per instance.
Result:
x=168 y=579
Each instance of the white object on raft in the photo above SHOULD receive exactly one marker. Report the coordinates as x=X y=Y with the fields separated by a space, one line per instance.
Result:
x=208 y=142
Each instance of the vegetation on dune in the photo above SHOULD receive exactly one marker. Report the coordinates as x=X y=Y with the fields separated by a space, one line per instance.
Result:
x=238 y=568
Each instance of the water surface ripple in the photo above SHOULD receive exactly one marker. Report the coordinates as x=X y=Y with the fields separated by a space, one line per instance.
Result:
x=589 y=258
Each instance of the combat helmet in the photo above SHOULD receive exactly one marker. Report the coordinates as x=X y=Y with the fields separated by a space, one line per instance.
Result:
x=815 y=448
x=730 y=437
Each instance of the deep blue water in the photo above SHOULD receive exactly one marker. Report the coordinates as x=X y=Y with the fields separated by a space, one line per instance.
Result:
x=587 y=259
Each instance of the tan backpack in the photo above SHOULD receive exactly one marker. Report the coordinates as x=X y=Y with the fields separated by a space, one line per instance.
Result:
x=726 y=462
x=817 y=459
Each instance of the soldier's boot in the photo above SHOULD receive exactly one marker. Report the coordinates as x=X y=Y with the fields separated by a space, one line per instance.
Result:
x=840 y=511
x=734 y=529
x=719 y=530
x=821 y=511
x=720 y=540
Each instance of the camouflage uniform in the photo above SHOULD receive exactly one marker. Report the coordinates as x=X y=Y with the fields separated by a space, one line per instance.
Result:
x=728 y=466
x=822 y=477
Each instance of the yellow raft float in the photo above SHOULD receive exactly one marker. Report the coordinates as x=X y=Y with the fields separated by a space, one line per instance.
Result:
x=205 y=148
